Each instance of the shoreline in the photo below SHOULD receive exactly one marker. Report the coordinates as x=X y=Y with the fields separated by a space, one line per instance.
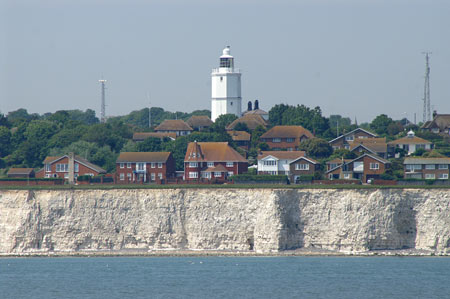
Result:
x=226 y=253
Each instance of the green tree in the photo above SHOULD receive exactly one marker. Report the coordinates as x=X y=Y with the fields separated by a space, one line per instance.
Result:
x=151 y=144
x=276 y=114
x=5 y=141
x=222 y=122
x=381 y=123
x=316 y=148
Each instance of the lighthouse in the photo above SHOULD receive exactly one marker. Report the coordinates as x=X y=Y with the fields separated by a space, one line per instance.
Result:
x=225 y=87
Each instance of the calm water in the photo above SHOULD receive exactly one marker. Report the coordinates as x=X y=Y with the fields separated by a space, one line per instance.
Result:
x=225 y=277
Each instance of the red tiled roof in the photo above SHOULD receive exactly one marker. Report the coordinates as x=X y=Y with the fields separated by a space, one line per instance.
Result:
x=287 y=132
x=199 y=121
x=239 y=135
x=377 y=145
x=20 y=171
x=173 y=125
x=410 y=140
x=217 y=168
x=212 y=152
x=160 y=157
x=251 y=120
x=53 y=159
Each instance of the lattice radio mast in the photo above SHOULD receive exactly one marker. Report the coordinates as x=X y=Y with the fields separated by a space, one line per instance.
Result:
x=426 y=91
x=103 y=107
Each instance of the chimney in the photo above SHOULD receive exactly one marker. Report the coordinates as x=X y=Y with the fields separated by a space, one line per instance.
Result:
x=71 y=169
x=256 y=104
x=249 y=107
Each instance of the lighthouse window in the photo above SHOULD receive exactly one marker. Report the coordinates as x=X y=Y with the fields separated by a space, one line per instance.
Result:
x=225 y=62
x=221 y=79
x=231 y=103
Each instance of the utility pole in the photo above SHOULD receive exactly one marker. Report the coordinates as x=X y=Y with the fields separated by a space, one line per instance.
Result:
x=103 y=105
x=149 y=111
x=426 y=90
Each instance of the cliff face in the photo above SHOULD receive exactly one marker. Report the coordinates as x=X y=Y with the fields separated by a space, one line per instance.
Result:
x=262 y=220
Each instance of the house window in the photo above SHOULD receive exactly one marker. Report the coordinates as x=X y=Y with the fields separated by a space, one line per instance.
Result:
x=289 y=139
x=275 y=140
x=349 y=138
x=346 y=176
x=193 y=175
x=430 y=176
x=210 y=164
x=303 y=166
x=152 y=176
x=62 y=167
x=430 y=166
x=443 y=166
x=129 y=176
x=221 y=79
x=128 y=165
x=230 y=164
x=48 y=168
x=231 y=103
x=153 y=165
x=270 y=163
x=347 y=146
x=443 y=176
x=193 y=164
x=122 y=165
x=230 y=173
x=412 y=167
x=77 y=167
x=206 y=175
x=217 y=174
x=333 y=165
x=160 y=175
x=159 y=165
x=141 y=166
x=122 y=176
x=374 y=166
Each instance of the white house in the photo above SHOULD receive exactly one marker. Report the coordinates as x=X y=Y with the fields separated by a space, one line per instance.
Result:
x=411 y=143
x=277 y=162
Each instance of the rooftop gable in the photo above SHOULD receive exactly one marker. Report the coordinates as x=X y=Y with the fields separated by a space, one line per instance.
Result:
x=287 y=132
x=352 y=132
x=212 y=152
x=173 y=125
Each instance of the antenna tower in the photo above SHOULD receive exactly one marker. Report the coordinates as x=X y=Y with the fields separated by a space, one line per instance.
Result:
x=149 y=111
x=103 y=108
x=426 y=91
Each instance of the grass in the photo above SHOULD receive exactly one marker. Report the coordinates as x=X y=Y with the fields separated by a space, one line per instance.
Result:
x=237 y=186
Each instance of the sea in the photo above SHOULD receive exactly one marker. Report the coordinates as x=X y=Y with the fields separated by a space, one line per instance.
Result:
x=225 y=277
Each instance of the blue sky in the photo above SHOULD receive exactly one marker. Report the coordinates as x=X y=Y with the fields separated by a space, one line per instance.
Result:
x=354 y=58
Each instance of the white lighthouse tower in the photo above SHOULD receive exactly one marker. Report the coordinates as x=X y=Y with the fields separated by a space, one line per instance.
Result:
x=225 y=87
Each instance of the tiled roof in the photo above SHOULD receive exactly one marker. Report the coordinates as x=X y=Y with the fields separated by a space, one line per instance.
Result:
x=377 y=145
x=305 y=158
x=53 y=159
x=212 y=152
x=334 y=161
x=440 y=120
x=251 y=120
x=173 y=125
x=410 y=140
x=20 y=171
x=239 y=135
x=287 y=132
x=140 y=136
x=256 y=111
x=143 y=157
x=351 y=132
x=199 y=121
x=378 y=158
x=282 y=155
x=217 y=168
x=426 y=160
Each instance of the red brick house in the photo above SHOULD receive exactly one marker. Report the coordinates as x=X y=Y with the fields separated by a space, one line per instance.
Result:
x=376 y=146
x=178 y=126
x=303 y=166
x=212 y=160
x=58 y=167
x=364 y=167
x=344 y=140
x=144 y=167
x=241 y=139
x=285 y=137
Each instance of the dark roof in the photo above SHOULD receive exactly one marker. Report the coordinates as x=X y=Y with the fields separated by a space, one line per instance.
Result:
x=287 y=132
x=239 y=135
x=156 y=157
x=53 y=159
x=256 y=111
x=421 y=160
x=173 y=125
x=376 y=145
x=141 y=136
x=212 y=152
x=26 y=171
x=442 y=121
x=251 y=120
x=199 y=121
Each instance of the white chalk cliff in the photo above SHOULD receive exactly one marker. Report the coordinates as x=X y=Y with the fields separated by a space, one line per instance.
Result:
x=260 y=220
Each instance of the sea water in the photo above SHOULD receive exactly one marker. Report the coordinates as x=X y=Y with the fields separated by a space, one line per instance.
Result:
x=225 y=277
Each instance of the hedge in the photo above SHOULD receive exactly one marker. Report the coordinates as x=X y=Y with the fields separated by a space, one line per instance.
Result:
x=31 y=179
x=259 y=178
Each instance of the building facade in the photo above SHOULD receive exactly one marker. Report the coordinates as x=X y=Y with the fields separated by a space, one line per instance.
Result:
x=344 y=140
x=177 y=126
x=144 y=167
x=285 y=137
x=426 y=168
x=59 y=167
x=225 y=87
x=277 y=162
